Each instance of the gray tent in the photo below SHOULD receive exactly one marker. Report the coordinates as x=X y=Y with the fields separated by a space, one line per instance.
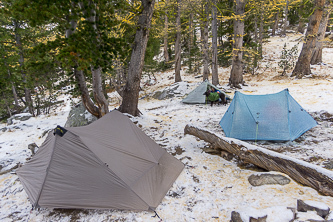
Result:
x=197 y=97
x=109 y=164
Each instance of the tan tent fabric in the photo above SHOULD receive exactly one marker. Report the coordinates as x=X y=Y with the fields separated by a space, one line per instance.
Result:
x=109 y=164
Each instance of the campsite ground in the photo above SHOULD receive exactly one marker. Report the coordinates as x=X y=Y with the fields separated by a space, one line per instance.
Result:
x=210 y=187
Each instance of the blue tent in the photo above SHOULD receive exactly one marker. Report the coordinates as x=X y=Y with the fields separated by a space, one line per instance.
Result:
x=276 y=117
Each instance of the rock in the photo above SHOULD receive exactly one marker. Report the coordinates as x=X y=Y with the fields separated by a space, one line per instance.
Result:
x=259 y=219
x=32 y=147
x=267 y=179
x=321 y=208
x=226 y=155
x=79 y=116
x=175 y=90
x=325 y=116
x=236 y=217
x=167 y=93
x=329 y=217
x=310 y=216
x=3 y=129
x=19 y=117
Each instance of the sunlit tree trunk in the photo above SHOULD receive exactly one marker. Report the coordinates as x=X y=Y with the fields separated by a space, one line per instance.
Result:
x=261 y=30
x=236 y=75
x=276 y=23
x=318 y=50
x=205 y=44
x=285 y=20
x=215 y=76
x=190 y=42
x=177 y=45
x=302 y=67
x=132 y=87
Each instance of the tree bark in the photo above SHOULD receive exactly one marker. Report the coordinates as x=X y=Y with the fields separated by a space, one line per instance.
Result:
x=132 y=87
x=215 y=76
x=166 y=27
x=276 y=23
x=205 y=43
x=97 y=83
x=318 y=49
x=177 y=45
x=87 y=102
x=190 y=42
x=15 y=95
x=102 y=102
x=261 y=30
x=285 y=21
x=304 y=173
x=236 y=75
x=302 y=67
x=27 y=91
x=13 y=86
x=301 y=26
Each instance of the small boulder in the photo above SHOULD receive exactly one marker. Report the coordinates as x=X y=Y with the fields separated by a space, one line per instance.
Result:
x=321 y=208
x=236 y=217
x=32 y=147
x=268 y=179
x=259 y=219
x=167 y=93
x=79 y=116
x=175 y=90
x=19 y=117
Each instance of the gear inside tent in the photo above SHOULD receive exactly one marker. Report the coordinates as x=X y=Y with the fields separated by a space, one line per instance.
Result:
x=197 y=95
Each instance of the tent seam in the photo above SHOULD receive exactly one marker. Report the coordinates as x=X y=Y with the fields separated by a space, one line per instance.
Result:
x=47 y=172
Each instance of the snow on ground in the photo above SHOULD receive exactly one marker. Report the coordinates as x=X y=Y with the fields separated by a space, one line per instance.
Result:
x=210 y=187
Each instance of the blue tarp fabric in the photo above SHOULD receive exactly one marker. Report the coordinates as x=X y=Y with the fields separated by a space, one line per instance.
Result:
x=276 y=117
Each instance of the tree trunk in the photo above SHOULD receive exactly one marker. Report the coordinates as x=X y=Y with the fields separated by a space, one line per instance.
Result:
x=166 y=28
x=301 y=26
x=177 y=45
x=318 y=50
x=256 y=29
x=304 y=173
x=13 y=86
x=261 y=30
x=132 y=87
x=87 y=102
x=102 y=102
x=190 y=41
x=236 y=75
x=215 y=76
x=285 y=21
x=27 y=91
x=276 y=23
x=302 y=67
x=205 y=44
x=15 y=95
x=97 y=83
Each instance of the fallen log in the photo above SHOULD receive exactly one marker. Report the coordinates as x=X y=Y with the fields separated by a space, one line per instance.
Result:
x=302 y=172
